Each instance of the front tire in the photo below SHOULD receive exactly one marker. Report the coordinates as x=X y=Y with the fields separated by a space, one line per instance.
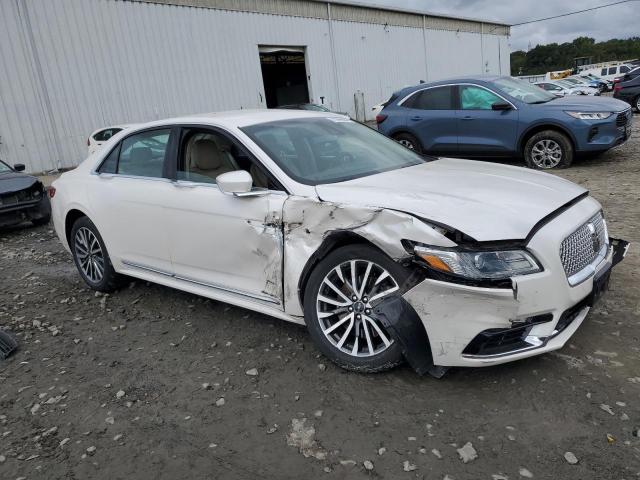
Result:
x=409 y=141
x=548 y=149
x=337 y=312
x=91 y=257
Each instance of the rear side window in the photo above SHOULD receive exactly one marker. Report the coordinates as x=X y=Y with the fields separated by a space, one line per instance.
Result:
x=438 y=98
x=139 y=155
x=613 y=70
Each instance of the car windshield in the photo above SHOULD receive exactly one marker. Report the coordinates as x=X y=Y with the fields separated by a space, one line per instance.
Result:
x=321 y=150
x=316 y=108
x=4 y=168
x=523 y=91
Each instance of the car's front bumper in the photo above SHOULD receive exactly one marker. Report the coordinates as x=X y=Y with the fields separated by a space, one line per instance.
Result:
x=598 y=136
x=477 y=326
x=13 y=214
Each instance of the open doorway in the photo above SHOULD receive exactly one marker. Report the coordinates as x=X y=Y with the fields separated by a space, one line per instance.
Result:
x=284 y=74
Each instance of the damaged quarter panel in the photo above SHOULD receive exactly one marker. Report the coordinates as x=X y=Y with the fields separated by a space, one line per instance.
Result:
x=308 y=222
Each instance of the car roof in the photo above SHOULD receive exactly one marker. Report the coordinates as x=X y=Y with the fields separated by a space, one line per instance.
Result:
x=446 y=81
x=239 y=118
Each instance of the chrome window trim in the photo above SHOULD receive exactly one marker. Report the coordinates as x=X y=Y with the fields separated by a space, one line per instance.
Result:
x=262 y=298
x=456 y=85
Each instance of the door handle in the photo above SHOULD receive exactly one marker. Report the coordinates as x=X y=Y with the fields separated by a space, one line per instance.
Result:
x=467 y=118
x=416 y=118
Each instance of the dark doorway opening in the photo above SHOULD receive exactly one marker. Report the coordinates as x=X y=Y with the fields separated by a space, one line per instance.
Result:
x=284 y=74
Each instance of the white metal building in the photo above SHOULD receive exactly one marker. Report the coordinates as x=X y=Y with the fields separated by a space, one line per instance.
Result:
x=68 y=67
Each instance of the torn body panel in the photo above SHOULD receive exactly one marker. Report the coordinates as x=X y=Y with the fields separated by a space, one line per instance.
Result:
x=308 y=222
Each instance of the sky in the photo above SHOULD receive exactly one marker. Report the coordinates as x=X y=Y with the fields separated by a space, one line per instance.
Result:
x=620 y=21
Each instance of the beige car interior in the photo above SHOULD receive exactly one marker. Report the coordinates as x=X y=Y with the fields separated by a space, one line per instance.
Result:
x=208 y=155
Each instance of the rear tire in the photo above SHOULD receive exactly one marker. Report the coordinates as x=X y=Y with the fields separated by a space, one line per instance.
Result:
x=548 y=149
x=409 y=141
x=637 y=103
x=91 y=257
x=359 y=343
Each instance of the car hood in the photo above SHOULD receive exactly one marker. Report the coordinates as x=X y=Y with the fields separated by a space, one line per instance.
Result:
x=14 y=182
x=585 y=103
x=486 y=201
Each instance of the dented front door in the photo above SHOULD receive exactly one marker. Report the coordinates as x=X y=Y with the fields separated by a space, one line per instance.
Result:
x=229 y=243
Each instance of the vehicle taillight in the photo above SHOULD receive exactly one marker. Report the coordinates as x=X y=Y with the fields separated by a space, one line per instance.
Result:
x=380 y=118
x=52 y=192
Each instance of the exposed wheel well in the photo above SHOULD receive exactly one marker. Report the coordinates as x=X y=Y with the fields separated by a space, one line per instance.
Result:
x=333 y=241
x=540 y=128
x=71 y=218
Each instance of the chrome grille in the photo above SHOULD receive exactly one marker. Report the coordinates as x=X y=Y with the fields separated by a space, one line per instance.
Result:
x=581 y=248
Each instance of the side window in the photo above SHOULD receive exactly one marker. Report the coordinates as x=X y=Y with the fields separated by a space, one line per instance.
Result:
x=624 y=69
x=613 y=70
x=143 y=154
x=110 y=164
x=439 y=98
x=205 y=155
x=476 y=98
x=603 y=72
x=99 y=137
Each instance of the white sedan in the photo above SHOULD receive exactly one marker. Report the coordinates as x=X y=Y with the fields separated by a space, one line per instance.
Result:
x=102 y=135
x=313 y=218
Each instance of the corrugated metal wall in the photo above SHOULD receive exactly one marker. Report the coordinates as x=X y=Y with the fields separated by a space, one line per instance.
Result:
x=68 y=67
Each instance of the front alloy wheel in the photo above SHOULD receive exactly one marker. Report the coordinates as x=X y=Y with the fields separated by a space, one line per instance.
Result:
x=546 y=154
x=343 y=307
x=339 y=298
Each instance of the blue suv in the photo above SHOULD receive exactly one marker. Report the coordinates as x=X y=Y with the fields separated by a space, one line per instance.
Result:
x=494 y=116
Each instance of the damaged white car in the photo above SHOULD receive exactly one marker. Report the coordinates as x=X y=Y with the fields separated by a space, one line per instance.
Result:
x=316 y=219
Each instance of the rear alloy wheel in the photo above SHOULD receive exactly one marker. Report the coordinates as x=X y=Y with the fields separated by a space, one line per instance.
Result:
x=548 y=149
x=91 y=257
x=339 y=300
x=638 y=104
x=409 y=141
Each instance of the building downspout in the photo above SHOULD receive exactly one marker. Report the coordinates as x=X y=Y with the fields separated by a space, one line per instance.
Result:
x=333 y=58
x=424 y=41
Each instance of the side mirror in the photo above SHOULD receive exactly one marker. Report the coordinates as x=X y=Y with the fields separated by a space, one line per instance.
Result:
x=19 y=167
x=501 y=106
x=238 y=183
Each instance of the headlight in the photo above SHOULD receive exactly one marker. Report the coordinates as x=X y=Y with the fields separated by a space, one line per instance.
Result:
x=590 y=115
x=499 y=264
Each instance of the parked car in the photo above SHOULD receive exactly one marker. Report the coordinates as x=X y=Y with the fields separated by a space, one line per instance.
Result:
x=599 y=85
x=607 y=84
x=586 y=86
x=611 y=72
x=99 y=137
x=495 y=116
x=629 y=91
x=628 y=76
x=319 y=220
x=558 y=89
x=22 y=197
x=578 y=88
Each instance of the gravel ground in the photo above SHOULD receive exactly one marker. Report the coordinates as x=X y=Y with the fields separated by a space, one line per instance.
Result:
x=152 y=383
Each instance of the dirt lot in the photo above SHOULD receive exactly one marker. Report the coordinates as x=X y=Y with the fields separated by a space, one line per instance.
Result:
x=152 y=383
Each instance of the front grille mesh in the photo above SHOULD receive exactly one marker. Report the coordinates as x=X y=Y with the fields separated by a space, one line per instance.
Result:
x=582 y=247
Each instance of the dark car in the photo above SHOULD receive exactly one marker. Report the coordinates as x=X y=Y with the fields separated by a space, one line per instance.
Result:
x=494 y=116
x=22 y=197
x=628 y=91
